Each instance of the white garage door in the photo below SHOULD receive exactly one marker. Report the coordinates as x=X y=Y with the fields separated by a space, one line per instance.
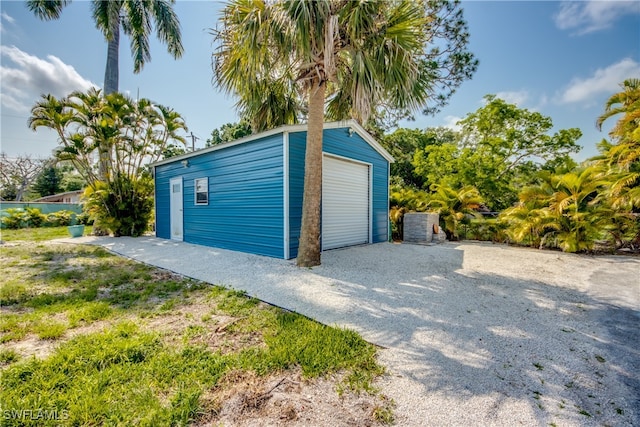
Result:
x=345 y=203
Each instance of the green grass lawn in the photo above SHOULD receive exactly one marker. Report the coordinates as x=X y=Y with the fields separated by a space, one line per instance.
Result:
x=37 y=234
x=92 y=339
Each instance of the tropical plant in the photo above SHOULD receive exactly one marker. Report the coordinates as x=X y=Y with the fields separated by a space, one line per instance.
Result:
x=125 y=135
x=627 y=103
x=123 y=205
x=455 y=206
x=351 y=58
x=135 y=18
x=530 y=219
x=563 y=212
x=619 y=165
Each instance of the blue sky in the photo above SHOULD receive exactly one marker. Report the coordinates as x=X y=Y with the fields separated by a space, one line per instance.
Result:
x=563 y=59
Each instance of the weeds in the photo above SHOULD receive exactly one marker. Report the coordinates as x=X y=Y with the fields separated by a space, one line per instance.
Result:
x=50 y=331
x=8 y=356
x=128 y=373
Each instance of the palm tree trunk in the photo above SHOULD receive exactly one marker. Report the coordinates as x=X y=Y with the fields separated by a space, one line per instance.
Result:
x=111 y=71
x=309 y=248
x=110 y=86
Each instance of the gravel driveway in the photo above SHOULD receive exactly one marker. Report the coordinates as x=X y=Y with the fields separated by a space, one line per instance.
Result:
x=473 y=334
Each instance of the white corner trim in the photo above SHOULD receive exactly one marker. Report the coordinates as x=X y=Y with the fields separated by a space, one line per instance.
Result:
x=285 y=185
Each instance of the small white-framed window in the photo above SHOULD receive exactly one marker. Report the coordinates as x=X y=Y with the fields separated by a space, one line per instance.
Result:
x=201 y=186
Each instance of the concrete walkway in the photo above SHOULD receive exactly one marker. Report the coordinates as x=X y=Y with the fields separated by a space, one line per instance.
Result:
x=474 y=334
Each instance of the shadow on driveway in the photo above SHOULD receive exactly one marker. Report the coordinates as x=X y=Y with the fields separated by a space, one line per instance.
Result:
x=473 y=333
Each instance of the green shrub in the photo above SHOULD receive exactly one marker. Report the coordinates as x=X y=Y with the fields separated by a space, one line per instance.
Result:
x=14 y=218
x=60 y=218
x=488 y=230
x=123 y=205
x=84 y=218
x=34 y=217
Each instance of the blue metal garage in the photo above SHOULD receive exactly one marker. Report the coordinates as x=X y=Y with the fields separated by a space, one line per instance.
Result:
x=246 y=195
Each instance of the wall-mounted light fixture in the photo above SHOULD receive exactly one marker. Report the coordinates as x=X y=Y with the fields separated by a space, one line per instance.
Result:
x=185 y=163
x=350 y=132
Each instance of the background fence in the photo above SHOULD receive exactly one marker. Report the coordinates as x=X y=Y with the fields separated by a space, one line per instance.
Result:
x=44 y=207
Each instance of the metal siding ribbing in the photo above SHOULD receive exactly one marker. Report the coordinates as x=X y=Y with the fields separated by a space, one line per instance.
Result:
x=338 y=142
x=245 y=210
x=345 y=203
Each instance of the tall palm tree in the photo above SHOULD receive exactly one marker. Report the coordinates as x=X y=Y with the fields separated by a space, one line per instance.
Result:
x=349 y=57
x=626 y=102
x=135 y=18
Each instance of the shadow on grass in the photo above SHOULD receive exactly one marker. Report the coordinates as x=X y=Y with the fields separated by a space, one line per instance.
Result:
x=127 y=374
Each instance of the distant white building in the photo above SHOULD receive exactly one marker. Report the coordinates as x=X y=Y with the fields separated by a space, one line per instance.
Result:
x=68 y=197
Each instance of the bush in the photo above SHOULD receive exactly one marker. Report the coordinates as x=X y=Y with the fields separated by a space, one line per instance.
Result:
x=123 y=206
x=488 y=230
x=34 y=217
x=84 y=219
x=60 y=218
x=13 y=218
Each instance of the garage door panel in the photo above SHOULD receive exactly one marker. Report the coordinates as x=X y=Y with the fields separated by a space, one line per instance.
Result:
x=345 y=203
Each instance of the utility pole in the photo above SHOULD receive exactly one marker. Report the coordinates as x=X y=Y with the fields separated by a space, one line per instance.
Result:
x=193 y=141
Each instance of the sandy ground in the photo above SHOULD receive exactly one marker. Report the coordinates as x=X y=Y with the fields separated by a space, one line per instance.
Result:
x=473 y=334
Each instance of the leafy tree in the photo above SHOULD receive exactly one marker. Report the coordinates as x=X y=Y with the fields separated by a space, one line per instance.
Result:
x=500 y=146
x=135 y=18
x=172 y=150
x=125 y=134
x=49 y=180
x=229 y=132
x=403 y=143
x=73 y=182
x=345 y=59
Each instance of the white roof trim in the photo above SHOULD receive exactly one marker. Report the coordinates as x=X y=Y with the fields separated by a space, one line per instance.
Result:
x=287 y=128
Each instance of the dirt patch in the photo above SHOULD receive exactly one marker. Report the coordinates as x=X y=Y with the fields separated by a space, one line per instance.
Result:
x=286 y=399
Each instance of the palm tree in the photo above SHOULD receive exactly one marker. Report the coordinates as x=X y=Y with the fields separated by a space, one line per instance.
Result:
x=575 y=205
x=353 y=56
x=626 y=102
x=455 y=206
x=531 y=219
x=619 y=164
x=136 y=19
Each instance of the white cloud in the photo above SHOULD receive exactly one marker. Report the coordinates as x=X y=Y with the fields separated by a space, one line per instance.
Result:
x=588 y=16
x=514 y=97
x=604 y=80
x=7 y=18
x=23 y=81
x=4 y=16
x=451 y=122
